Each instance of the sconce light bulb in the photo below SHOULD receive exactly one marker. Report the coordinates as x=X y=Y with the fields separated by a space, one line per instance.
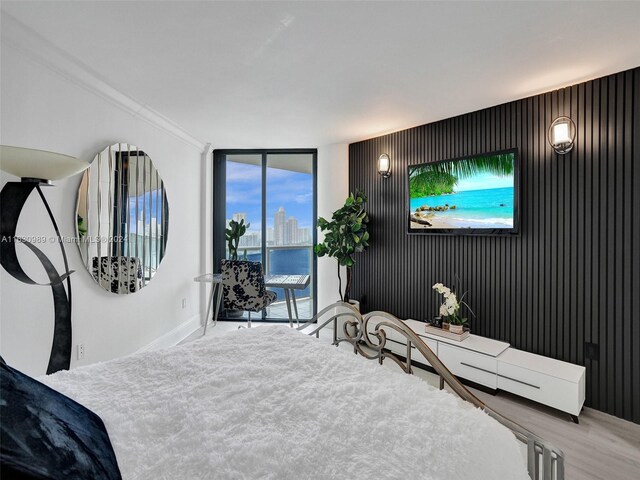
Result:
x=561 y=134
x=384 y=165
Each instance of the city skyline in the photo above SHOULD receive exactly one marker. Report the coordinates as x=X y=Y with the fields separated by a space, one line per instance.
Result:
x=285 y=231
x=288 y=190
x=293 y=190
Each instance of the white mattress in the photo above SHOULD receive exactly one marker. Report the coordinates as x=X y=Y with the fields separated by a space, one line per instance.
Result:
x=270 y=402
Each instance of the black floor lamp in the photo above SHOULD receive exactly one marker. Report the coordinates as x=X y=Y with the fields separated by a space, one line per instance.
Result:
x=38 y=168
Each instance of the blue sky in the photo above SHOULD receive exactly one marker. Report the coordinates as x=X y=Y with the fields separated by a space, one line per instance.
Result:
x=291 y=190
x=152 y=201
x=484 y=181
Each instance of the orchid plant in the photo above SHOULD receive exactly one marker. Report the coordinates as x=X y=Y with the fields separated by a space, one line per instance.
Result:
x=450 y=308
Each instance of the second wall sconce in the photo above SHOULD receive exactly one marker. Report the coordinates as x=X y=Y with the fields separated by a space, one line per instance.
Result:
x=562 y=134
x=384 y=166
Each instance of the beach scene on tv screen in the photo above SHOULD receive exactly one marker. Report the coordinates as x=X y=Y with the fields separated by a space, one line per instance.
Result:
x=469 y=193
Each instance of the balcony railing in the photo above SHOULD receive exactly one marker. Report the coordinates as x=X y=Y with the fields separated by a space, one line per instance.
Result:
x=271 y=266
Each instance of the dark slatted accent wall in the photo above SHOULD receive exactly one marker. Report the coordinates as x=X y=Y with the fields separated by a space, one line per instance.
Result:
x=571 y=276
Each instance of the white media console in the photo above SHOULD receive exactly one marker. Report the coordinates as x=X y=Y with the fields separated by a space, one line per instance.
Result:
x=497 y=366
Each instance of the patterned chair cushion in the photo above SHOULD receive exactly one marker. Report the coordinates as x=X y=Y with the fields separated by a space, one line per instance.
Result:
x=118 y=274
x=243 y=286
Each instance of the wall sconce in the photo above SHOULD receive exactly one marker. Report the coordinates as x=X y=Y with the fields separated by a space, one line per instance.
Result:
x=38 y=168
x=562 y=134
x=384 y=166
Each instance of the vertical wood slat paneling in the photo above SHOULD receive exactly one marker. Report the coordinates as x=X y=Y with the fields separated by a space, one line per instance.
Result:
x=635 y=229
x=571 y=276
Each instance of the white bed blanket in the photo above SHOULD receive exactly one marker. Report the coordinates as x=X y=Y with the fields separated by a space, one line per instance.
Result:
x=270 y=402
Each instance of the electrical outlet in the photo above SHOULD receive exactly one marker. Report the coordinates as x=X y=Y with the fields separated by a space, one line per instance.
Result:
x=80 y=351
x=184 y=303
x=591 y=351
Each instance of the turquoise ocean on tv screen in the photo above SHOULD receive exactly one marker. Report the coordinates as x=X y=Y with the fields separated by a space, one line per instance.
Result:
x=489 y=208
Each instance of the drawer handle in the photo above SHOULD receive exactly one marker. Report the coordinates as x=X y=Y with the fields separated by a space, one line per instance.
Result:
x=503 y=376
x=477 y=368
x=519 y=381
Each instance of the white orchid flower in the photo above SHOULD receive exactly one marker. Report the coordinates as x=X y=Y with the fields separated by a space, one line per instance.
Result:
x=451 y=303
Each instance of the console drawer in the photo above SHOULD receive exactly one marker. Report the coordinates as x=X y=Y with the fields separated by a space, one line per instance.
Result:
x=472 y=366
x=540 y=387
x=417 y=356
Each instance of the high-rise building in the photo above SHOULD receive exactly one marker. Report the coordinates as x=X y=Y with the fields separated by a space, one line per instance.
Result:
x=304 y=235
x=291 y=231
x=151 y=228
x=240 y=216
x=250 y=239
x=287 y=231
x=279 y=221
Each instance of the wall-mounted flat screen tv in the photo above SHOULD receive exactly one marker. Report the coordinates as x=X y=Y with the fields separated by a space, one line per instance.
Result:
x=475 y=195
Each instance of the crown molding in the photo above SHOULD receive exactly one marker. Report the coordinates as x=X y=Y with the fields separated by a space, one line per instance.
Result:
x=38 y=49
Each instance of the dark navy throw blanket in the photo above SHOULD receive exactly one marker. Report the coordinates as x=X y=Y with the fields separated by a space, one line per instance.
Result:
x=45 y=435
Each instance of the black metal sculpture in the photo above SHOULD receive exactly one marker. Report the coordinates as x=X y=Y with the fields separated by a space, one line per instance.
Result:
x=12 y=199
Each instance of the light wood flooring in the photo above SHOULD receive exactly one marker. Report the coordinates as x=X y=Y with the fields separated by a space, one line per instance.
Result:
x=601 y=447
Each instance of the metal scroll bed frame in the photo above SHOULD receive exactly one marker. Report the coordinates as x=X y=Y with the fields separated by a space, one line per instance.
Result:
x=544 y=461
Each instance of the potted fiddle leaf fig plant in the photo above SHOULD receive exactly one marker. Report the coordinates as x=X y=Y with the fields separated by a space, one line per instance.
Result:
x=345 y=235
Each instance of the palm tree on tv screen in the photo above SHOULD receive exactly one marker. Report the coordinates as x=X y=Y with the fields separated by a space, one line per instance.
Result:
x=440 y=178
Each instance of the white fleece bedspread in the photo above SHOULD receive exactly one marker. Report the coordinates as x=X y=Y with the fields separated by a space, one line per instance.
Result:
x=272 y=403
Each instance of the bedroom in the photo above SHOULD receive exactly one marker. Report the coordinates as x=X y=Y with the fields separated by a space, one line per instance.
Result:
x=194 y=83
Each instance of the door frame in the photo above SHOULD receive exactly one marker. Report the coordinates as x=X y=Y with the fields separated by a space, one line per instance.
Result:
x=219 y=157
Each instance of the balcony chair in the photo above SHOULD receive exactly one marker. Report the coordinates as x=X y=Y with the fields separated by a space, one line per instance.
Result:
x=243 y=287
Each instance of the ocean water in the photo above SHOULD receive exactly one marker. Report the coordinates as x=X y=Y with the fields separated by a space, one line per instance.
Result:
x=293 y=261
x=492 y=206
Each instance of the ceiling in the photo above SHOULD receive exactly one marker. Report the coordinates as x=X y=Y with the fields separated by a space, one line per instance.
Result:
x=306 y=74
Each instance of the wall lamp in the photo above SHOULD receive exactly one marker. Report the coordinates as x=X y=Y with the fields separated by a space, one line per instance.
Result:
x=384 y=166
x=562 y=134
x=38 y=168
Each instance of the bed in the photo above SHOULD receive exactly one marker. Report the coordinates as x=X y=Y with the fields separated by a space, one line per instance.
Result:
x=271 y=402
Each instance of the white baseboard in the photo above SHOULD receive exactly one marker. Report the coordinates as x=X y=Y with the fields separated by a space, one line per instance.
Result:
x=175 y=336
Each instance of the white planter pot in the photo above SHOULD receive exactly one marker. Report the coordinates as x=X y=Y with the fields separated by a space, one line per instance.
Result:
x=459 y=329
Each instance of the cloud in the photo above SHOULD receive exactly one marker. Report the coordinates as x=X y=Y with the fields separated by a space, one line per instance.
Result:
x=243 y=173
x=291 y=190
x=304 y=198
x=244 y=195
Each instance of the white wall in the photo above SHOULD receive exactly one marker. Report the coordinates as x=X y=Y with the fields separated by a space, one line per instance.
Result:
x=333 y=188
x=51 y=102
x=45 y=109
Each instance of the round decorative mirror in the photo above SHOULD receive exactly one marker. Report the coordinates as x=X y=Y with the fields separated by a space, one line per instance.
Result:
x=122 y=219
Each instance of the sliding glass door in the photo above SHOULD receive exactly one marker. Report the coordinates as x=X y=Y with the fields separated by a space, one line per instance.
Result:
x=274 y=191
x=243 y=185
